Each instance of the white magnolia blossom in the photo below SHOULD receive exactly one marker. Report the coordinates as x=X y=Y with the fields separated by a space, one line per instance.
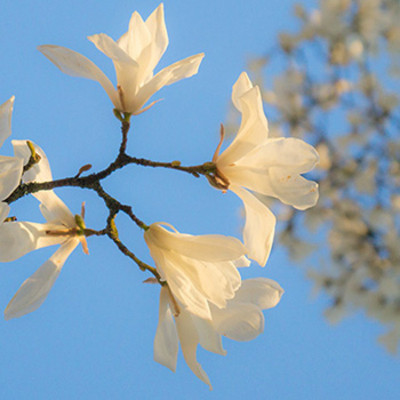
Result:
x=268 y=166
x=10 y=167
x=20 y=238
x=241 y=320
x=200 y=270
x=135 y=55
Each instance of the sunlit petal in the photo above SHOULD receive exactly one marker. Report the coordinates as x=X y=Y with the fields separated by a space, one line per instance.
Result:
x=6 y=110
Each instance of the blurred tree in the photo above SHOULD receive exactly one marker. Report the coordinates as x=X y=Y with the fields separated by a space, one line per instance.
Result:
x=337 y=87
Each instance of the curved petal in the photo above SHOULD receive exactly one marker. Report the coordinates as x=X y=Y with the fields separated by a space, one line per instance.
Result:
x=293 y=189
x=253 y=131
x=183 y=283
x=189 y=340
x=171 y=74
x=137 y=38
x=20 y=238
x=253 y=179
x=291 y=153
x=259 y=229
x=209 y=338
x=72 y=63
x=262 y=292
x=4 y=210
x=212 y=248
x=239 y=321
x=166 y=339
x=156 y=25
x=6 y=110
x=10 y=175
x=52 y=207
x=240 y=87
x=34 y=290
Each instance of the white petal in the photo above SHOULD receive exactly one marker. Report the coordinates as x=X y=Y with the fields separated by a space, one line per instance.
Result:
x=256 y=180
x=217 y=282
x=166 y=339
x=4 y=210
x=209 y=338
x=239 y=321
x=10 y=175
x=6 y=110
x=253 y=131
x=262 y=292
x=183 y=283
x=52 y=207
x=242 y=262
x=20 y=238
x=189 y=340
x=294 y=154
x=35 y=289
x=258 y=233
x=156 y=26
x=241 y=86
x=293 y=189
x=137 y=37
x=203 y=247
x=171 y=74
x=75 y=64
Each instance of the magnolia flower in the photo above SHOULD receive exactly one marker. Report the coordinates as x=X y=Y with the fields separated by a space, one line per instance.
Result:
x=241 y=320
x=20 y=238
x=200 y=270
x=135 y=55
x=268 y=166
x=10 y=167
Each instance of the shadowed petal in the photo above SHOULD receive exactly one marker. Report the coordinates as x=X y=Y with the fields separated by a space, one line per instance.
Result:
x=10 y=175
x=189 y=340
x=241 y=86
x=262 y=292
x=4 y=210
x=239 y=321
x=6 y=110
x=259 y=227
x=166 y=339
x=35 y=289
x=293 y=189
x=20 y=238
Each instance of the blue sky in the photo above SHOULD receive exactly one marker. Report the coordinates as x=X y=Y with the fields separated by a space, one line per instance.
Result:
x=93 y=336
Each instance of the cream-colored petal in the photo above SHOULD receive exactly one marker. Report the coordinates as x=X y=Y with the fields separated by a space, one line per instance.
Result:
x=6 y=110
x=183 y=283
x=34 y=290
x=189 y=340
x=10 y=175
x=238 y=321
x=52 y=207
x=259 y=229
x=250 y=178
x=75 y=64
x=156 y=25
x=213 y=248
x=292 y=153
x=171 y=74
x=253 y=131
x=217 y=282
x=242 y=262
x=262 y=292
x=137 y=37
x=166 y=339
x=241 y=86
x=209 y=338
x=4 y=210
x=293 y=189
x=125 y=66
x=20 y=238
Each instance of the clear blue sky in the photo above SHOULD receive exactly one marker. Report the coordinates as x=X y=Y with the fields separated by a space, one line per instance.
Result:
x=93 y=337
